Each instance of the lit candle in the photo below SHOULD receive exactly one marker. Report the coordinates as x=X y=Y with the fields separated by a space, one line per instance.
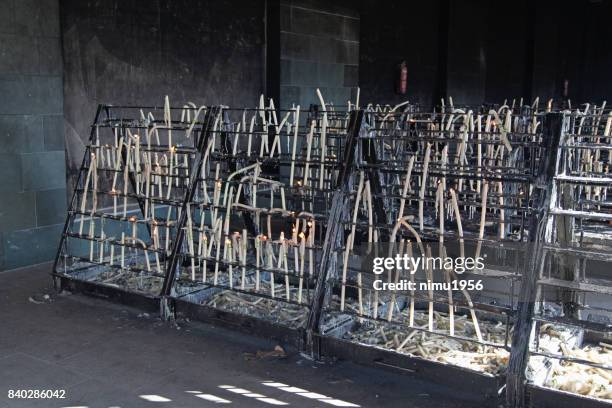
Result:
x=311 y=236
x=134 y=222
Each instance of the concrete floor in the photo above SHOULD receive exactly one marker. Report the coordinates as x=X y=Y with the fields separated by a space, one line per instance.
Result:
x=106 y=355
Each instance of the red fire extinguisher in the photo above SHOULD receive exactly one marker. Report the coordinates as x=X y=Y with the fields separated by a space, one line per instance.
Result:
x=402 y=84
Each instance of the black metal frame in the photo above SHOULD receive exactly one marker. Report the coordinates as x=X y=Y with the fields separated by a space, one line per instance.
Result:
x=310 y=339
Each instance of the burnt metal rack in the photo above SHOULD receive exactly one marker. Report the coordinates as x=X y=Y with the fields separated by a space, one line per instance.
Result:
x=257 y=221
x=567 y=352
x=123 y=218
x=443 y=185
x=267 y=221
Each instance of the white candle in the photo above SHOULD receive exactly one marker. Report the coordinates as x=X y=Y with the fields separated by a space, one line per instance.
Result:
x=205 y=249
x=270 y=266
x=227 y=256
x=134 y=222
x=294 y=147
x=84 y=198
x=171 y=170
x=243 y=247
x=122 y=250
x=125 y=177
x=257 y=255
x=156 y=245
x=301 y=256
x=112 y=253
x=91 y=241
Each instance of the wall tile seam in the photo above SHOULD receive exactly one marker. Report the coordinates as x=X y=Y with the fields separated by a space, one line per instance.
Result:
x=323 y=12
x=13 y=76
x=44 y=151
x=326 y=37
x=318 y=61
x=44 y=37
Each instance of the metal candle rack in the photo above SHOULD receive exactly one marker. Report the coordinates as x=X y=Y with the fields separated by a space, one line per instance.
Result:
x=256 y=224
x=259 y=219
x=123 y=216
x=444 y=185
x=570 y=354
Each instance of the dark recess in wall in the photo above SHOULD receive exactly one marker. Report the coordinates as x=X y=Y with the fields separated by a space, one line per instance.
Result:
x=391 y=33
x=475 y=52
x=137 y=51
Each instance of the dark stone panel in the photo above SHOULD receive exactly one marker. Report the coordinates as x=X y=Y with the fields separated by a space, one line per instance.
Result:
x=308 y=95
x=304 y=73
x=136 y=51
x=43 y=171
x=2 y=254
x=348 y=52
x=467 y=89
x=31 y=246
x=336 y=95
x=505 y=53
x=285 y=17
x=351 y=75
x=30 y=94
x=285 y=72
x=350 y=29
x=50 y=56
x=399 y=31
x=305 y=21
x=340 y=7
x=289 y=95
x=18 y=54
x=330 y=75
x=21 y=133
x=592 y=81
x=354 y=95
x=10 y=169
x=17 y=211
x=339 y=96
x=326 y=49
x=53 y=131
x=7 y=16
x=298 y=46
x=50 y=207
x=37 y=17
